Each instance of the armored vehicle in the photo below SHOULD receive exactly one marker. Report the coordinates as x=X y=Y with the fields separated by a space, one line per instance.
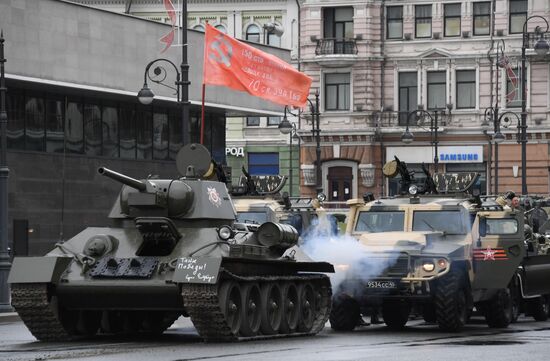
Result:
x=174 y=248
x=442 y=252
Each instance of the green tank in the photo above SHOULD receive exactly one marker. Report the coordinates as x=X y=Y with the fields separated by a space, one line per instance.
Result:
x=174 y=248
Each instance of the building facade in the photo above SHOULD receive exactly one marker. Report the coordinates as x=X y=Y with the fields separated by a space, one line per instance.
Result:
x=376 y=62
x=72 y=76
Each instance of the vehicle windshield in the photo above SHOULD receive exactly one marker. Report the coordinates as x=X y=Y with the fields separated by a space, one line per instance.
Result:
x=252 y=217
x=375 y=221
x=449 y=222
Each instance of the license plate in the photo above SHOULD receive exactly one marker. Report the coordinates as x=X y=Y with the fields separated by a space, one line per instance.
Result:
x=381 y=284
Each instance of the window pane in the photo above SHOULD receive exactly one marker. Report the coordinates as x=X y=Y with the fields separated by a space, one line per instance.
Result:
x=343 y=97
x=15 y=105
x=92 y=129
x=337 y=78
x=423 y=11
x=518 y=6
x=221 y=28
x=144 y=130
x=516 y=23
x=423 y=28
x=74 y=128
x=127 y=128
x=331 y=98
x=343 y=14
x=252 y=121
x=199 y=28
x=34 y=121
x=54 y=125
x=176 y=133
x=273 y=120
x=482 y=8
x=263 y=163
x=110 y=131
x=395 y=30
x=407 y=79
x=436 y=96
x=160 y=135
x=273 y=39
x=452 y=10
x=253 y=33
x=513 y=89
x=436 y=77
x=452 y=27
x=467 y=94
x=395 y=12
x=481 y=25
x=465 y=75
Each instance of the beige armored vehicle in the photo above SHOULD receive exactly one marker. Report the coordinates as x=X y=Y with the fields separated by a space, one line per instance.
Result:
x=441 y=253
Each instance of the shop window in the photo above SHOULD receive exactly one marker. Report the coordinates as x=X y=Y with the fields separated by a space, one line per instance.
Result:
x=144 y=133
x=518 y=15
x=110 y=131
x=394 y=184
x=160 y=135
x=337 y=91
x=273 y=121
x=465 y=89
x=394 y=26
x=176 y=133
x=92 y=129
x=423 y=21
x=74 y=128
x=34 y=123
x=252 y=121
x=452 y=19
x=127 y=132
x=482 y=18
x=263 y=163
x=54 y=125
x=15 y=107
x=437 y=85
x=408 y=95
x=480 y=168
x=253 y=33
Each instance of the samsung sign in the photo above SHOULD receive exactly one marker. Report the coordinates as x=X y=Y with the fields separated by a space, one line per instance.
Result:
x=446 y=154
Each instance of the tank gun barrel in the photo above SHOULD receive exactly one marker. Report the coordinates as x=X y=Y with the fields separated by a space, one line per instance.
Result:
x=124 y=179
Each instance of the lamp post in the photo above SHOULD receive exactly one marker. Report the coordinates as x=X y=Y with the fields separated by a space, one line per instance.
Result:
x=407 y=137
x=146 y=95
x=4 y=172
x=286 y=127
x=541 y=48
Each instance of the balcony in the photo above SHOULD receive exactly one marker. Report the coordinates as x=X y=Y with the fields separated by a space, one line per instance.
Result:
x=336 y=52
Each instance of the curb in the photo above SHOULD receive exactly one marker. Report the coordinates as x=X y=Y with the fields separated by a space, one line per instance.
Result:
x=9 y=317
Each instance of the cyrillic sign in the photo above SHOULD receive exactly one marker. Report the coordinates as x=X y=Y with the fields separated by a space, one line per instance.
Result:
x=235 y=151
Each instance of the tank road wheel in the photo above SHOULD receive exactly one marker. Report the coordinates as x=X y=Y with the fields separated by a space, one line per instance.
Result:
x=306 y=297
x=345 y=313
x=291 y=308
x=231 y=305
x=451 y=306
x=538 y=308
x=271 y=308
x=251 y=310
x=77 y=322
x=395 y=314
x=498 y=311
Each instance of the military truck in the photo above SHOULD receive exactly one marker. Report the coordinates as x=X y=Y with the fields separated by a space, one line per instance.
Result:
x=174 y=248
x=438 y=248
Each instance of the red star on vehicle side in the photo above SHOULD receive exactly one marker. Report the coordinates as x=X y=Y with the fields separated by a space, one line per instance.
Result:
x=489 y=254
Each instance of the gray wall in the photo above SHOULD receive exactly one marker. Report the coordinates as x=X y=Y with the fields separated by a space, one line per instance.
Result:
x=61 y=41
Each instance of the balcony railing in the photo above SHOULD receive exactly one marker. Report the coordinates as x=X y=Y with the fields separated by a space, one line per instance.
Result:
x=331 y=46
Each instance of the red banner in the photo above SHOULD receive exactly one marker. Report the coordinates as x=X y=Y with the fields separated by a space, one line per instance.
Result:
x=169 y=38
x=236 y=65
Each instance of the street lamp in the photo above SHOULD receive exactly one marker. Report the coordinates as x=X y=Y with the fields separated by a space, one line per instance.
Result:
x=4 y=172
x=541 y=48
x=159 y=74
x=285 y=127
x=407 y=137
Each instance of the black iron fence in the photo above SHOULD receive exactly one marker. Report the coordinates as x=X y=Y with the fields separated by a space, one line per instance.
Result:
x=330 y=46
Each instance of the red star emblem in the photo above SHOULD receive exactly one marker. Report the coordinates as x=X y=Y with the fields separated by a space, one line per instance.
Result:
x=489 y=254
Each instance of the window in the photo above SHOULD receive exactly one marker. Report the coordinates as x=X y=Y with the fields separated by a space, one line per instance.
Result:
x=15 y=103
x=253 y=33
x=160 y=135
x=110 y=131
x=252 y=121
x=394 y=26
x=518 y=15
x=450 y=222
x=221 y=28
x=501 y=226
x=452 y=19
x=273 y=120
x=408 y=95
x=465 y=89
x=127 y=132
x=513 y=88
x=176 y=133
x=34 y=123
x=54 y=125
x=273 y=39
x=92 y=129
x=144 y=133
x=74 y=128
x=252 y=217
x=199 y=28
x=338 y=22
x=263 y=163
x=482 y=18
x=337 y=87
x=480 y=168
x=387 y=221
x=437 y=85
x=423 y=21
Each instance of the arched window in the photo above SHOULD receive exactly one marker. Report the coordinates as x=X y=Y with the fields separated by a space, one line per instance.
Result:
x=221 y=28
x=199 y=28
x=273 y=39
x=253 y=33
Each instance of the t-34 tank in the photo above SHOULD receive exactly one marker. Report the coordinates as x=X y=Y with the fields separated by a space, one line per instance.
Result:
x=173 y=249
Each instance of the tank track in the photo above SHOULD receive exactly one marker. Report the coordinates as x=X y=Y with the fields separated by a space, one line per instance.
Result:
x=201 y=301
x=31 y=302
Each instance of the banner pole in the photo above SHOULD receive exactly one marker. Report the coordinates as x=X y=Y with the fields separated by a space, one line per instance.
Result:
x=202 y=113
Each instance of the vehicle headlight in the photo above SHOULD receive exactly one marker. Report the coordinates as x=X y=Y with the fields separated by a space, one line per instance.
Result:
x=341 y=267
x=413 y=189
x=442 y=263
x=225 y=232
x=428 y=266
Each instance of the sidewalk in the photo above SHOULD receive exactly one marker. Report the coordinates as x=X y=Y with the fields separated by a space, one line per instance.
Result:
x=9 y=317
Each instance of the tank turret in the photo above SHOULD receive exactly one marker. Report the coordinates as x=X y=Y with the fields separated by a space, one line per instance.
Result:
x=174 y=249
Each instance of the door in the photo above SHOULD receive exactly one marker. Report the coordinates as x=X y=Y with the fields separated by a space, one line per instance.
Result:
x=340 y=184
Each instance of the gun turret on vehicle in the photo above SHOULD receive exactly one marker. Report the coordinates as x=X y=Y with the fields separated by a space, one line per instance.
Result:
x=174 y=249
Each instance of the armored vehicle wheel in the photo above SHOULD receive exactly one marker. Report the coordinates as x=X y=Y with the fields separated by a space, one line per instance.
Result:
x=498 y=311
x=345 y=313
x=252 y=316
x=515 y=294
x=272 y=310
x=308 y=307
x=538 y=308
x=231 y=305
x=80 y=322
x=291 y=308
x=396 y=314
x=451 y=307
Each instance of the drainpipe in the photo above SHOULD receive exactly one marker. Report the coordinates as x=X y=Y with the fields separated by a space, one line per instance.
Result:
x=382 y=93
x=298 y=54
